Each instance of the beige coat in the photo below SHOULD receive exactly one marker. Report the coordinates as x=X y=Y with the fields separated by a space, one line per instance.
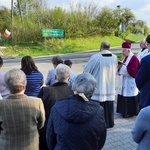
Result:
x=20 y=118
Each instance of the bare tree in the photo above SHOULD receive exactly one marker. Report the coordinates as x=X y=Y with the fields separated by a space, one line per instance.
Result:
x=91 y=10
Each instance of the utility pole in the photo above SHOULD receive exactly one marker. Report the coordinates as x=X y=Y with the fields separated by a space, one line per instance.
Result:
x=12 y=15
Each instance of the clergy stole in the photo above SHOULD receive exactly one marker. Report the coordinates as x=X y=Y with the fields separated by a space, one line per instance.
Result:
x=119 y=78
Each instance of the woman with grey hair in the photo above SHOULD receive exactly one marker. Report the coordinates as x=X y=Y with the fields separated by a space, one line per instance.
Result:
x=84 y=86
x=77 y=122
x=62 y=73
x=23 y=115
x=50 y=94
x=15 y=81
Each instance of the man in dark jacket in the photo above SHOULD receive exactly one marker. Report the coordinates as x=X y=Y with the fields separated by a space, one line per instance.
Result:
x=77 y=122
x=49 y=95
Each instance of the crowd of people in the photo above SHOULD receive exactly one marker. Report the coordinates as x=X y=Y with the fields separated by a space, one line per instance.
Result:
x=70 y=111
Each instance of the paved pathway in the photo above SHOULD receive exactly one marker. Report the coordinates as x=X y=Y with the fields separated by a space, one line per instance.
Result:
x=119 y=137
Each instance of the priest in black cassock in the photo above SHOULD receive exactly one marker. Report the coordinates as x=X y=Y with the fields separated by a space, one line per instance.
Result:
x=103 y=66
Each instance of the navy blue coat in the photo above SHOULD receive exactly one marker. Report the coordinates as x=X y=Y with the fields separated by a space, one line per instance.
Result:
x=75 y=124
x=143 y=81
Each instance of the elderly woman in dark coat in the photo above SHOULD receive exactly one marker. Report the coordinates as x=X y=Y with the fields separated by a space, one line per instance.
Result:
x=50 y=94
x=77 y=122
x=20 y=116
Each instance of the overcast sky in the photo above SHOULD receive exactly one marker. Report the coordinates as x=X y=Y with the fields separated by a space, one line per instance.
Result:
x=141 y=8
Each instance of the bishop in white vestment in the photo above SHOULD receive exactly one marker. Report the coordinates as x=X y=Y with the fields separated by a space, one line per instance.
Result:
x=127 y=100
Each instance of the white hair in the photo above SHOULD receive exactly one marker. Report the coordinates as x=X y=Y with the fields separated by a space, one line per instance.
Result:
x=15 y=80
x=84 y=83
x=143 y=41
x=63 y=72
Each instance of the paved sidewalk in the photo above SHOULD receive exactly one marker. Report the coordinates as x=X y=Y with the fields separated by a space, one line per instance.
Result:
x=119 y=137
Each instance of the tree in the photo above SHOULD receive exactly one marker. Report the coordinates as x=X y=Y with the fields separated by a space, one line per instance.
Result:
x=25 y=7
x=122 y=16
x=105 y=20
x=31 y=16
x=138 y=26
x=5 y=20
x=91 y=10
x=127 y=15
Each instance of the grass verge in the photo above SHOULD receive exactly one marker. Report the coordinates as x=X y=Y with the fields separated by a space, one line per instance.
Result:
x=62 y=46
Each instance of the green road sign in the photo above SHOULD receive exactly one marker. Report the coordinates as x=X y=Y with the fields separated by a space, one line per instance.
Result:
x=52 y=33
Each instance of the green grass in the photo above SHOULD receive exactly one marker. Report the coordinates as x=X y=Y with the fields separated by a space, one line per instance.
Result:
x=134 y=37
x=62 y=46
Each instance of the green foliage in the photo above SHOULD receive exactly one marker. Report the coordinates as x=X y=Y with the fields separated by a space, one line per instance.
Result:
x=122 y=15
x=134 y=37
x=119 y=56
x=105 y=20
x=127 y=16
x=146 y=30
x=138 y=26
x=125 y=34
x=31 y=16
x=62 y=46
x=59 y=46
x=4 y=19
x=57 y=18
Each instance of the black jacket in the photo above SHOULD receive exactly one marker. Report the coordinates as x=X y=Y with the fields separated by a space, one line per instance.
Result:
x=49 y=95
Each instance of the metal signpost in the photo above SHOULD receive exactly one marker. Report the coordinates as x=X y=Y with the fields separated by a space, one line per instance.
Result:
x=57 y=33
